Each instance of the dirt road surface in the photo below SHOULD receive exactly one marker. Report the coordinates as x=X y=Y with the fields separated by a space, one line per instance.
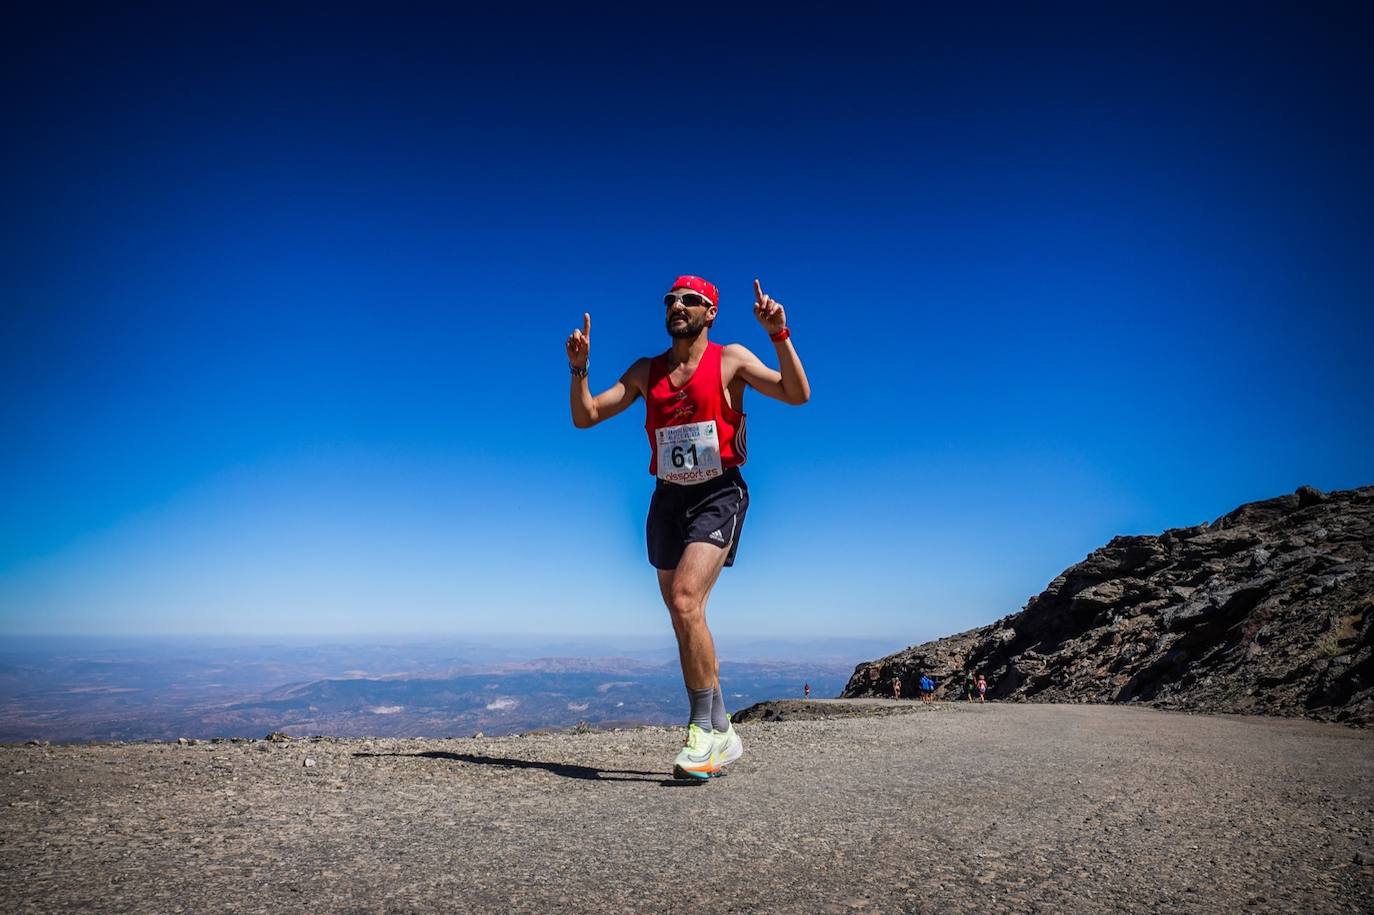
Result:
x=951 y=808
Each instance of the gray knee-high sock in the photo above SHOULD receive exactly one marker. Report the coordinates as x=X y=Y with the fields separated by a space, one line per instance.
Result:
x=718 y=720
x=701 y=707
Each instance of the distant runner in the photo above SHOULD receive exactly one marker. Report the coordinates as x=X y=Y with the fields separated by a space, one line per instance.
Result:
x=982 y=688
x=806 y=690
x=896 y=687
x=694 y=395
x=927 y=687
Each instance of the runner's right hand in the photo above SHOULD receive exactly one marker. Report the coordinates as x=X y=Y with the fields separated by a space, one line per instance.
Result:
x=579 y=343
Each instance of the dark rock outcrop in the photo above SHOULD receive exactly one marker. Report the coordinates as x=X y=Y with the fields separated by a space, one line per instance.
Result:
x=806 y=710
x=1267 y=610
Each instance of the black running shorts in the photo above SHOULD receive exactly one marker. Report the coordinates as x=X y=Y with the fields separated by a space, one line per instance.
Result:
x=710 y=512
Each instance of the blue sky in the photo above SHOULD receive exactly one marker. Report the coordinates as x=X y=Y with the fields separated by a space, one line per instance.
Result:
x=285 y=297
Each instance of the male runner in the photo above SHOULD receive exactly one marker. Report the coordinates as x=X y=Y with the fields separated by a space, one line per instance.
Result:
x=694 y=395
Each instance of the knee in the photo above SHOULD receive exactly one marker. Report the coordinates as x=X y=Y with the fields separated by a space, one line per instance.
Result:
x=685 y=607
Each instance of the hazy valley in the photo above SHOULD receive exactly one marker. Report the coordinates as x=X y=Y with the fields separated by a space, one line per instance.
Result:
x=105 y=689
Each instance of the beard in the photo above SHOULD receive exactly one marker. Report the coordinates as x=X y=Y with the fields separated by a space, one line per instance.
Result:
x=687 y=328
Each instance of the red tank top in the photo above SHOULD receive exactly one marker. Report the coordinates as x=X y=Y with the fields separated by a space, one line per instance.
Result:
x=700 y=399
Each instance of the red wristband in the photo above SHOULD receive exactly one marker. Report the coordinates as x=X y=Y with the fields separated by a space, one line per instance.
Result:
x=780 y=335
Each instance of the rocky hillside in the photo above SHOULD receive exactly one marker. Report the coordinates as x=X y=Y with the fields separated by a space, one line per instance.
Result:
x=1267 y=610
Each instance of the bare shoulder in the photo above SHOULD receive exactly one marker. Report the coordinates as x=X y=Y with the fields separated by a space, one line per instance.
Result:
x=637 y=374
x=738 y=362
x=737 y=354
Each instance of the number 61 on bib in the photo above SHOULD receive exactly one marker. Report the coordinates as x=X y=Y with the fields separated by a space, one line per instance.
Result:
x=689 y=453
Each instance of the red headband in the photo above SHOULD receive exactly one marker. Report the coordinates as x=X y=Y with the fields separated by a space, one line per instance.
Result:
x=697 y=284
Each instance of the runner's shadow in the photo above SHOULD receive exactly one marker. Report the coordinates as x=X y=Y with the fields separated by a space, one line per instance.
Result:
x=566 y=770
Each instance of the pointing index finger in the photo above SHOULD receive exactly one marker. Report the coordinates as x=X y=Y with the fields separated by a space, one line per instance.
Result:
x=758 y=292
x=586 y=324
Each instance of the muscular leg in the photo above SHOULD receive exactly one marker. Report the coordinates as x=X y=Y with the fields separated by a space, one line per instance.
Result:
x=685 y=591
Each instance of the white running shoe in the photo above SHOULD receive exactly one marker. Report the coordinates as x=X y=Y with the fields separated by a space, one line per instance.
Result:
x=698 y=758
x=728 y=745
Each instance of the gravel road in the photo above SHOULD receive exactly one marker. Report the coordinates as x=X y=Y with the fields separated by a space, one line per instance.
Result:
x=951 y=808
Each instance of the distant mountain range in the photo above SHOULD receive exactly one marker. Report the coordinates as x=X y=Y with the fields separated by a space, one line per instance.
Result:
x=80 y=690
x=1267 y=610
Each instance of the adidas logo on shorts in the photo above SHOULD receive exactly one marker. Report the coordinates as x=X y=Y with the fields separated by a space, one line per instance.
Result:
x=716 y=536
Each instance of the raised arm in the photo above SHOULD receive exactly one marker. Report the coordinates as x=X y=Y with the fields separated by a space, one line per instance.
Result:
x=788 y=383
x=587 y=410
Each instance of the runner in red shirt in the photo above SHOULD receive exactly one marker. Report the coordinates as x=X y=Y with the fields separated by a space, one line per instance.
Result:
x=694 y=395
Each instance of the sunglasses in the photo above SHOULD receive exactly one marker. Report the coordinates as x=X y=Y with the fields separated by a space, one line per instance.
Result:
x=690 y=299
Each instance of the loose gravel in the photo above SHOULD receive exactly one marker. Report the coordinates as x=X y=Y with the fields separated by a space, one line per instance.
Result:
x=952 y=808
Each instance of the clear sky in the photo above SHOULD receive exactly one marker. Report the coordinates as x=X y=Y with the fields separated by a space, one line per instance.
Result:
x=285 y=297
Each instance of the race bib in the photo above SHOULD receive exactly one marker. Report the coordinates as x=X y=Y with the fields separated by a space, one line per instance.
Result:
x=688 y=454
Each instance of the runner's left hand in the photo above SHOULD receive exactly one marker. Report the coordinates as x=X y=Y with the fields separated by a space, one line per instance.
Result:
x=768 y=310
